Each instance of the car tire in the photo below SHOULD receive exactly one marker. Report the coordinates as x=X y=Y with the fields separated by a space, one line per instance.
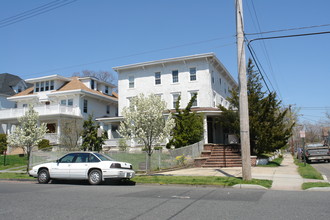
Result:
x=43 y=176
x=95 y=177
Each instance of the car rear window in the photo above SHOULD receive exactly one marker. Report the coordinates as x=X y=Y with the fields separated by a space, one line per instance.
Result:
x=103 y=157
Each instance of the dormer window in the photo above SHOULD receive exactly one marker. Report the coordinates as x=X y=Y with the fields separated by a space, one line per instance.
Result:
x=37 y=87
x=42 y=84
x=106 y=90
x=92 y=84
x=52 y=85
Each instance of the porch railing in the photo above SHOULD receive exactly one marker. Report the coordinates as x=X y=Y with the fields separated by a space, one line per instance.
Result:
x=42 y=111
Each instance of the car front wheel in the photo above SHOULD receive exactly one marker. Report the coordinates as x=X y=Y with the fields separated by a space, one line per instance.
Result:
x=43 y=176
x=95 y=177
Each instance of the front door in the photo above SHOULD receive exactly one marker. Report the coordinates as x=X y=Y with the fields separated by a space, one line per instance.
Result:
x=210 y=130
x=61 y=169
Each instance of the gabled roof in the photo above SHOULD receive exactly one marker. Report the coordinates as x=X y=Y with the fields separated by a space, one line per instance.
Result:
x=74 y=85
x=7 y=81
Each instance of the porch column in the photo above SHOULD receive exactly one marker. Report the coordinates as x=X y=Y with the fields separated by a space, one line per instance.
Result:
x=109 y=131
x=58 y=130
x=8 y=128
x=206 y=140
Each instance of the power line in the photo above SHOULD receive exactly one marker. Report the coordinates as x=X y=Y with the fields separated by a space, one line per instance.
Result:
x=257 y=65
x=289 y=36
x=289 y=29
x=34 y=12
x=138 y=54
x=265 y=51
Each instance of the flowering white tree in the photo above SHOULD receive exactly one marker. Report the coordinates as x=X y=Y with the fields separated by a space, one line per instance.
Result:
x=27 y=134
x=144 y=122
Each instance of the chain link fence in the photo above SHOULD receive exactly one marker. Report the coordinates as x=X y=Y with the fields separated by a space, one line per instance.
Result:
x=160 y=159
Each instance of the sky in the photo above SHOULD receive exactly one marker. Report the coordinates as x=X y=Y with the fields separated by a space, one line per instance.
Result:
x=67 y=36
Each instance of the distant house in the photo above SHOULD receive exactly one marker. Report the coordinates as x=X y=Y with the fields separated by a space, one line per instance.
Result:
x=57 y=98
x=9 y=86
x=201 y=74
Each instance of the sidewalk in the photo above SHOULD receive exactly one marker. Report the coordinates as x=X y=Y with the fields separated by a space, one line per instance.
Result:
x=284 y=177
x=20 y=169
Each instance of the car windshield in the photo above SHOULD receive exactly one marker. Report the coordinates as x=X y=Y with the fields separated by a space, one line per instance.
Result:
x=103 y=157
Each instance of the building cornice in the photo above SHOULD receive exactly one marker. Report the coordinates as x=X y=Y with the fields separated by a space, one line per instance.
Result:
x=163 y=61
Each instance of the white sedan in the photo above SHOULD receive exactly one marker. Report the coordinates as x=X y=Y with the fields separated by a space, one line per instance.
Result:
x=93 y=167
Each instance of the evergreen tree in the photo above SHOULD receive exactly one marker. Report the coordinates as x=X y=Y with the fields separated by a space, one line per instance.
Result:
x=269 y=129
x=188 y=125
x=92 y=141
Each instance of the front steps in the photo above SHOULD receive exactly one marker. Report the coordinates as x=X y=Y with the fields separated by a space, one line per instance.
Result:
x=216 y=155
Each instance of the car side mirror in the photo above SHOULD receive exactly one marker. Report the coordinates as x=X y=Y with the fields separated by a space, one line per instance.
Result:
x=57 y=161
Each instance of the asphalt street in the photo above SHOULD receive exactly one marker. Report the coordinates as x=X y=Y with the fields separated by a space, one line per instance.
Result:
x=323 y=168
x=27 y=200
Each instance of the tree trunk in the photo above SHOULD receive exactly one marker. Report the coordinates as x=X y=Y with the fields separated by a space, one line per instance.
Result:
x=28 y=152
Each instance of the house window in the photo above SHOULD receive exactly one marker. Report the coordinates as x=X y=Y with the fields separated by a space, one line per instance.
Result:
x=19 y=89
x=106 y=90
x=42 y=86
x=47 y=86
x=92 y=84
x=157 y=78
x=175 y=98
x=63 y=102
x=51 y=128
x=85 y=105
x=220 y=81
x=37 y=87
x=195 y=102
x=192 y=74
x=70 y=102
x=52 y=85
x=175 y=76
x=25 y=105
x=131 y=82
x=212 y=77
x=108 y=109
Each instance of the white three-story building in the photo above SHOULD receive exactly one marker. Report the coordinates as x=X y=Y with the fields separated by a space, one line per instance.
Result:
x=201 y=74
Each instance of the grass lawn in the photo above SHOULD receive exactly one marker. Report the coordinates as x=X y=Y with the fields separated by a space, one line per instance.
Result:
x=188 y=180
x=12 y=161
x=274 y=163
x=15 y=176
x=200 y=180
x=307 y=172
x=311 y=185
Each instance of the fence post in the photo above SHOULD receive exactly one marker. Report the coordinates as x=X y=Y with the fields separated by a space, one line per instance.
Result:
x=159 y=164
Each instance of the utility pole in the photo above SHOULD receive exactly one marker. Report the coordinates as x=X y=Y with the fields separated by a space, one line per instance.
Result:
x=243 y=98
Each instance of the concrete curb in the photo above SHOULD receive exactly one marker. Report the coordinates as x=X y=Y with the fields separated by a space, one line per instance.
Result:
x=324 y=189
x=248 y=186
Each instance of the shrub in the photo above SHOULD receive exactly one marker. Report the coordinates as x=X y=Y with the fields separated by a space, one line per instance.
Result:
x=181 y=160
x=3 y=143
x=43 y=144
x=122 y=144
